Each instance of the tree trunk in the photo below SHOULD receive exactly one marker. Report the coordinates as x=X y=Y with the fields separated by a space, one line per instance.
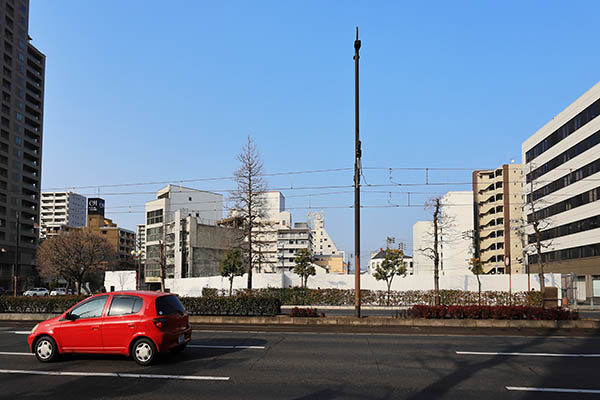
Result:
x=436 y=255
x=389 y=286
x=230 y=285
x=479 y=285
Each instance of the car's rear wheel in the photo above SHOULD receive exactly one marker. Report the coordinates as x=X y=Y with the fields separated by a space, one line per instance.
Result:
x=144 y=351
x=178 y=349
x=45 y=349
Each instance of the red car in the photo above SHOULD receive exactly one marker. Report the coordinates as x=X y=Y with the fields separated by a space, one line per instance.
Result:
x=133 y=323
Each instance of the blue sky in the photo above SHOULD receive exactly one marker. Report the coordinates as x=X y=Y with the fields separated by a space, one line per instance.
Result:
x=144 y=91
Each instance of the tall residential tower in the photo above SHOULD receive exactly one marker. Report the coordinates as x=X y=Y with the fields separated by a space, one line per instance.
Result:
x=22 y=111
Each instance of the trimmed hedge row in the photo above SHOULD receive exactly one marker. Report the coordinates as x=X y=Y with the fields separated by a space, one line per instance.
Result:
x=27 y=304
x=238 y=305
x=492 y=312
x=234 y=305
x=342 y=297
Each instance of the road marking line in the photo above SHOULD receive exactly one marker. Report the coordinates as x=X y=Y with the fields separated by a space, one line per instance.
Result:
x=22 y=332
x=224 y=347
x=416 y=335
x=487 y=353
x=114 y=374
x=12 y=353
x=558 y=390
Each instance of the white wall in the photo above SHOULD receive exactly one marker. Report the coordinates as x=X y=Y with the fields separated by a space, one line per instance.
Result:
x=121 y=280
x=194 y=286
x=456 y=239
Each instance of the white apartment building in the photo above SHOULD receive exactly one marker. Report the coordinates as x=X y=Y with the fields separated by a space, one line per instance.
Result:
x=322 y=244
x=205 y=206
x=60 y=209
x=422 y=239
x=265 y=241
x=562 y=189
x=290 y=241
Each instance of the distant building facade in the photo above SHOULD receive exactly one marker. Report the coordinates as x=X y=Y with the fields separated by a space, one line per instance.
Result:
x=162 y=218
x=562 y=167
x=290 y=241
x=61 y=209
x=498 y=216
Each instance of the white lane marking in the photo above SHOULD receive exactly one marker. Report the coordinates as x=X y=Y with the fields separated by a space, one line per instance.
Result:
x=557 y=390
x=489 y=353
x=411 y=335
x=224 y=347
x=12 y=353
x=114 y=375
x=22 y=332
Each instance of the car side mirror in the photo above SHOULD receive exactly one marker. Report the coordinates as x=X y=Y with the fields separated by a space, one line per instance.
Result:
x=70 y=317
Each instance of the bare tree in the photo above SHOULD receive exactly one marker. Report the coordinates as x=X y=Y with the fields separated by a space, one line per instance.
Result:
x=441 y=222
x=73 y=255
x=536 y=222
x=248 y=200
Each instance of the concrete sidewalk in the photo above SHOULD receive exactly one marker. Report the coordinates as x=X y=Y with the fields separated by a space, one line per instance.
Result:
x=286 y=320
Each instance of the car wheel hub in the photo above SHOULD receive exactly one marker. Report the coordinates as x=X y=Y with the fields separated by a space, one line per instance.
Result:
x=44 y=349
x=143 y=352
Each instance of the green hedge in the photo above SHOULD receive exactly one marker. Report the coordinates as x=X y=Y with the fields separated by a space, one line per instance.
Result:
x=209 y=305
x=235 y=305
x=26 y=304
x=345 y=297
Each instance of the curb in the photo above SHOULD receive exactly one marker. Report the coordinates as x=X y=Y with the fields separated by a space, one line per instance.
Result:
x=353 y=321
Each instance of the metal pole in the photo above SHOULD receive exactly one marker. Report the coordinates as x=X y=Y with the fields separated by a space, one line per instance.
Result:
x=357 y=157
x=16 y=267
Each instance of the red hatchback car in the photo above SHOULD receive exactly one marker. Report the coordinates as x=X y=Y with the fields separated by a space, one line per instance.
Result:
x=136 y=323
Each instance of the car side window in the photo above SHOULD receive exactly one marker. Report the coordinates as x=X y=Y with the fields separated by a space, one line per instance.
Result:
x=125 y=305
x=90 y=309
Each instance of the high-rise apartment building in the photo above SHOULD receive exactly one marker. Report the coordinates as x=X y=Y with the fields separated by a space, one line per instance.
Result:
x=21 y=114
x=562 y=189
x=61 y=209
x=498 y=215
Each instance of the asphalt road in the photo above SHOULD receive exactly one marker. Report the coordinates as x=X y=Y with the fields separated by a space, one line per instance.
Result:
x=229 y=364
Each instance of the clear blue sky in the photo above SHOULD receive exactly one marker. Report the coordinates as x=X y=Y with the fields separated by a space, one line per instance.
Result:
x=140 y=91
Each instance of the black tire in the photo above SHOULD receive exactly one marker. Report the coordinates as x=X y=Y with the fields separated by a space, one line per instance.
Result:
x=45 y=349
x=144 y=351
x=178 y=349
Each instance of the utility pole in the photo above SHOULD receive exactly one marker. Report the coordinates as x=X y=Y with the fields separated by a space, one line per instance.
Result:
x=16 y=267
x=357 y=156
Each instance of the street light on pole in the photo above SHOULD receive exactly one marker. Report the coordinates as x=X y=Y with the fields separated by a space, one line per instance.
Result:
x=357 y=156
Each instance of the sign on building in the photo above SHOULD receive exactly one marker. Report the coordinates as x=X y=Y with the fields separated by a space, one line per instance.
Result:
x=96 y=206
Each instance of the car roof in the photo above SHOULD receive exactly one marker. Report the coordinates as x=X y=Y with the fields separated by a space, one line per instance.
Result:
x=147 y=293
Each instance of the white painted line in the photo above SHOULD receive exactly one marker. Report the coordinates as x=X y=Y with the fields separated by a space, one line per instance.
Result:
x=22 y=332
x=415 y=335
x=556 y=390
x=206 y=346
x=11 y=353
x=114 y=374
x=489 y=353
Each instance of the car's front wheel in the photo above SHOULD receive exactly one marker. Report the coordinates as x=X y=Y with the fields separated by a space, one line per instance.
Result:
x=144 y=351
x=45 y=349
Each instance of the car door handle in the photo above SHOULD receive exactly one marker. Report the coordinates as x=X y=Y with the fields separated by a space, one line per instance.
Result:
x=131 y=325
x=95 y=328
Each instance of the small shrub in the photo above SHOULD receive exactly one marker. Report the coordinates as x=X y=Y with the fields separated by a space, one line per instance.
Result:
x=493 y=312
x=305 y=312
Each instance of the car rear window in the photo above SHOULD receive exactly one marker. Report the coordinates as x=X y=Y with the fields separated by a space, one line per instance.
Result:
x=166 y=305
x=123 y=305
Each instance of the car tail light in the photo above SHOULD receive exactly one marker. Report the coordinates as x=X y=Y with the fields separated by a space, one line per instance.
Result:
x=160 y=323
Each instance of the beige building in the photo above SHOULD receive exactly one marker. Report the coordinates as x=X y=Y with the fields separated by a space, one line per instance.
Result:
x=498 y=213
x=334 y=264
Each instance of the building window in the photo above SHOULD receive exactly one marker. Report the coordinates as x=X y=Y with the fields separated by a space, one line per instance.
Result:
x=154 y=217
